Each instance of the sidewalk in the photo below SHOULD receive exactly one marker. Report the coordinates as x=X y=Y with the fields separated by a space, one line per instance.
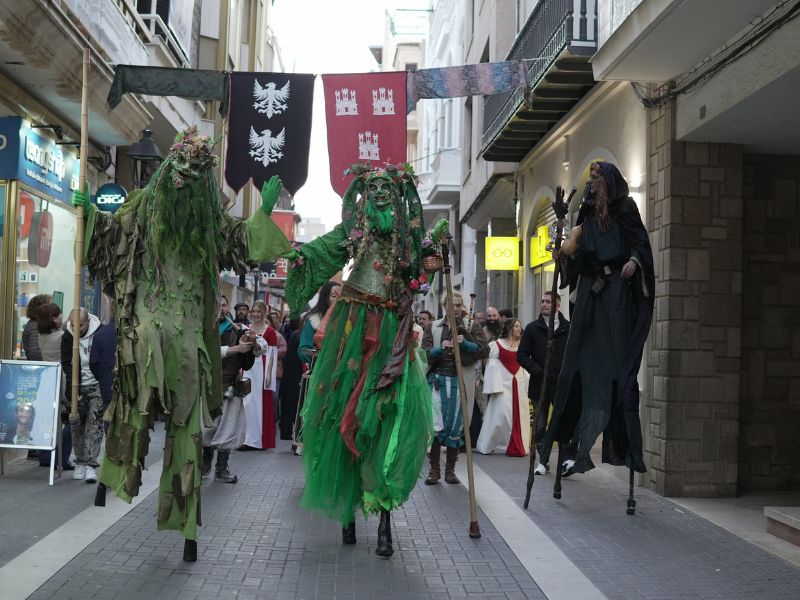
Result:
x=258 y=543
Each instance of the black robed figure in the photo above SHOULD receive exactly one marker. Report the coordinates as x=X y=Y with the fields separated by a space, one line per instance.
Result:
x=612 y=275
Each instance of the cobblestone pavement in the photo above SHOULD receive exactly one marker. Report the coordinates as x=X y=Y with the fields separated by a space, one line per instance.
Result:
x=663 y=552
x=258 y=543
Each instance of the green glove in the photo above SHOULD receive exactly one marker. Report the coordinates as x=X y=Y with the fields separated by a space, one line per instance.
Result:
x=269 y=194
x=81 y=198
x=441 y=228
x=291 y=256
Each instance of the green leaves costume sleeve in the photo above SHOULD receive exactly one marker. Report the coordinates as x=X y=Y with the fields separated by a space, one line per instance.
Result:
x=322 y=259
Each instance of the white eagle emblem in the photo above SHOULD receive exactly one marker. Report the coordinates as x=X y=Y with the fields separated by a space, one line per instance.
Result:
x=264 y=147
x=269 y=100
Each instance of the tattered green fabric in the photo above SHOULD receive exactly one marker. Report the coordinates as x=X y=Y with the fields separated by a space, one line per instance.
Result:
x=168 y=359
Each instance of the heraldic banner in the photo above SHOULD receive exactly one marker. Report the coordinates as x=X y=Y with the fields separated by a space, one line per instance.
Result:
x=269 y=129
x=366 y=119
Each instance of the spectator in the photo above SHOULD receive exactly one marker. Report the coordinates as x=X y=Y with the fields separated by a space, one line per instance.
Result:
x=259 y=405
x=228 y=428
x=49 y=334
x=30 y=338
x=87 y=432
x=241 y=312
x=531 y=355
x=326 y=299
x=102 y=359
x=505 y=314
x=506 y=422
x=290 y=386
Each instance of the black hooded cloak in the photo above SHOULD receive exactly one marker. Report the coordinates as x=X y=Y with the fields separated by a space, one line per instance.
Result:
x=597 y=389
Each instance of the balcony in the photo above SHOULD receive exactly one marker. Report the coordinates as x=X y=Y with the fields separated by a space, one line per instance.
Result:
x=659 y=40
x=559 y=38
x=445 y=178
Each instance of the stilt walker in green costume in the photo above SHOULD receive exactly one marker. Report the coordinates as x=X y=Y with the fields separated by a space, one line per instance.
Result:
x=158 y=257
x=367 y=420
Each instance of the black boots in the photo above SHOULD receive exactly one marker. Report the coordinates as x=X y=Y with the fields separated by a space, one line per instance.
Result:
x=435 y=457
x=222 y=474
x=384 y=548
x=208 y=458
x=349 y=533
x=450 y=466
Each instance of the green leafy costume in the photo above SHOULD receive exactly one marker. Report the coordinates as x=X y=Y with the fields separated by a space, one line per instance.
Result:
x=367 y=419
x=159 y=258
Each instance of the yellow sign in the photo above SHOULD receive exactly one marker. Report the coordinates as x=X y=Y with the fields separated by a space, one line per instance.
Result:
x=539 y=253
x=502 y=253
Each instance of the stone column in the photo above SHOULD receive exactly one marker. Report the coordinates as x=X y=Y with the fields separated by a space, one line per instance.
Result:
x=691 y=408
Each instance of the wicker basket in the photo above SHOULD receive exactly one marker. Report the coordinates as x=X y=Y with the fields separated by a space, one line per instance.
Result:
x=432 y=263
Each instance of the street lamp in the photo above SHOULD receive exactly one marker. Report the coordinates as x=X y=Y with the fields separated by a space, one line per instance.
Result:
x=145 y=156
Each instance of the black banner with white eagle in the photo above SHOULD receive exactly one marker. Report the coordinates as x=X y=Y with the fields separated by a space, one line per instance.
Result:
x=269 y=129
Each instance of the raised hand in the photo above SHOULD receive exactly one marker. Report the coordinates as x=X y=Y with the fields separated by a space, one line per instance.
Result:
x=81 y=198
x=269 y=194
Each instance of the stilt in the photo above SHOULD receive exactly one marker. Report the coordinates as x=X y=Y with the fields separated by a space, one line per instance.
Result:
x=557 y=486
x=631 y=510
x=100 y=495
x=190 y=550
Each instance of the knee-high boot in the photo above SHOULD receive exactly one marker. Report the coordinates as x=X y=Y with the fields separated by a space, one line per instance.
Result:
x=435 y=457
x=384 y=548
x=450 y=466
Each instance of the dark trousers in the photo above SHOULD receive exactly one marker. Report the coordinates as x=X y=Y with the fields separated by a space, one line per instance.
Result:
x=66 y=448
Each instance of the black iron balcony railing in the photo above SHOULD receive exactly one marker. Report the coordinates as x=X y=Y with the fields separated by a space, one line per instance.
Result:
x=558 y=39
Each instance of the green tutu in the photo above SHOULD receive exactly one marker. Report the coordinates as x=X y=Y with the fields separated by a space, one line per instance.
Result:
x=370 y=456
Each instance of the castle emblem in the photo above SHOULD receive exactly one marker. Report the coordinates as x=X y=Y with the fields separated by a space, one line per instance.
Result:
x=382 y=101
x=346 y=102
x=368 y=148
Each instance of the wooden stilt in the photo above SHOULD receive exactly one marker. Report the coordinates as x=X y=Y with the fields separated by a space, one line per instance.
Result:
x=557 y=486
x=631 y=510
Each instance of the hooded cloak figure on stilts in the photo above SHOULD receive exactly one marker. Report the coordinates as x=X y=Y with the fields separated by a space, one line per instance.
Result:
x=611 y=273
x=159 y=257
x=367 y=419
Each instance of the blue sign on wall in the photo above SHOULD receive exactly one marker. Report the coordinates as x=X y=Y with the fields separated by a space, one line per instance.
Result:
x=109 y=197
x=32 y=158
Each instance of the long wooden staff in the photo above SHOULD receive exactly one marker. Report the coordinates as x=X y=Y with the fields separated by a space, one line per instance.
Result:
x=474 y=528
x=560 y=208
x=76 y=297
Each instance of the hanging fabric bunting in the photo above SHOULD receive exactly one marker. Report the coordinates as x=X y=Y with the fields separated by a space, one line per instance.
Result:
x=269 y=129
x=366 y=121
x=481 y=79
x=194 y=84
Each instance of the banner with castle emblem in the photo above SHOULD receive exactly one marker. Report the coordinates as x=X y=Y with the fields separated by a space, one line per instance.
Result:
x=269 y=129
x=366 y=120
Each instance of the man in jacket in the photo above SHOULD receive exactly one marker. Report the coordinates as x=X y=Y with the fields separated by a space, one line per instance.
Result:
x=531 y=357
x=102 y=359
x=87 y=431
x=437 y=342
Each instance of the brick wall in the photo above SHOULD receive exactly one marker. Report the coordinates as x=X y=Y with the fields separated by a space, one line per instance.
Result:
x=770 y=391
x=691 y=410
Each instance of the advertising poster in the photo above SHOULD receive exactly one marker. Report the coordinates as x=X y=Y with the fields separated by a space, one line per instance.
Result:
x=29 y=393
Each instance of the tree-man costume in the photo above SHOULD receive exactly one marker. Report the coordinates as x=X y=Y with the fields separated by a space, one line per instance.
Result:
x=158 y=257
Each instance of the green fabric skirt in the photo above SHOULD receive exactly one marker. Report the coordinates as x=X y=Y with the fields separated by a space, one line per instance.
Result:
x=363 y=448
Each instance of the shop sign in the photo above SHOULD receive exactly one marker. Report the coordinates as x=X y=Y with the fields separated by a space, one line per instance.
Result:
x=502 y=253
x=539 y=253
x=27 y=155
x=109 y=197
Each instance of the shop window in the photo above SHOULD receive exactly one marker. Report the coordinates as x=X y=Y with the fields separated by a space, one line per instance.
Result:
x=45 y=263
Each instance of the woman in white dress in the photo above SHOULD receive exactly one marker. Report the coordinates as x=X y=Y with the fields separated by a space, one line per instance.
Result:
x=506 y=422
x=259 y=405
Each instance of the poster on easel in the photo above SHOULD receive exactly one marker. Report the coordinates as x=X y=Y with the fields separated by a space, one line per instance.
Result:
x=29 y=405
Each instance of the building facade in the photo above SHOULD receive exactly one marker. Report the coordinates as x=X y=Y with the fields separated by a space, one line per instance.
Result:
x=40 y=89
